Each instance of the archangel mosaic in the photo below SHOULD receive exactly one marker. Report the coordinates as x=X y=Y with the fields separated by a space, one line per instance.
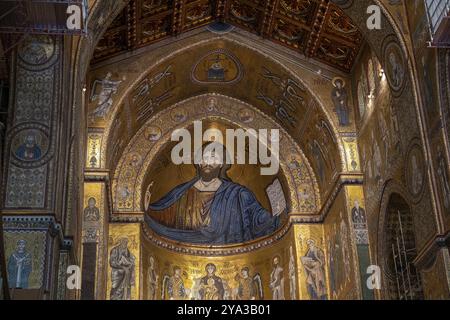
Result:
x=94 y=206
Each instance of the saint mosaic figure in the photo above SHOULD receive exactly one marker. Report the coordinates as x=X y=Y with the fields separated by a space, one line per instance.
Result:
x=292 y=275
x=376 y=155
x=277 y=280
x=122 y=263
x=152 y=279
x=212 y=209
x=105 y=97
x=340 y=100
x=19 y=266
x=396 y=70
x=30 y=149
x=91 y=212
x=344 y=235
x=176 y=289
x=333 y=264
x=249 y=287
x=314 y=263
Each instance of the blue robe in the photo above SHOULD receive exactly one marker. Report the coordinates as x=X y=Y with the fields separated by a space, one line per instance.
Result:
x=19 y=273
x=25 y=153
x=235 y=216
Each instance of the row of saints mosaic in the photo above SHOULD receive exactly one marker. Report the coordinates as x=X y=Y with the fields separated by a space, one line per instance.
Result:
x=209 y=282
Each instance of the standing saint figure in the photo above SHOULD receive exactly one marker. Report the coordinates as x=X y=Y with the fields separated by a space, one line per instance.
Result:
x=122 y=263
x=333 y=265
x=19 y=266
x=277 y=280
x=175 y=287
x=319 y=159
x=292 y=275
x=247 y=285
x=152 y=279
x=340 y=101
x=314 y=262
x=376 y=155
x=211 y=209
x=345 y=241
x=105 y=100
x=385 y=135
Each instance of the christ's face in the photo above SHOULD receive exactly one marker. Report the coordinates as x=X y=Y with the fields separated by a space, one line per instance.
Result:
x=210 y=165
x=244 y=273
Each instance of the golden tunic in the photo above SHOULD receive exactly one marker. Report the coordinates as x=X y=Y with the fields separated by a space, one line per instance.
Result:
x=191 y=212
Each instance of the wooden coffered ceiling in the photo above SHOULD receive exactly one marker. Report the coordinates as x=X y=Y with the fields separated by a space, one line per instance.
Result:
x=316 y=28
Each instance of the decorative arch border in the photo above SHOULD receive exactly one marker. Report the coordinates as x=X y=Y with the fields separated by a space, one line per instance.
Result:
x=215 y=251
x=128 y=179
x=226 y=37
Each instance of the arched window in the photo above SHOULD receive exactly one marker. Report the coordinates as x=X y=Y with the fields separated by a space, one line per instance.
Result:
x=403 y=280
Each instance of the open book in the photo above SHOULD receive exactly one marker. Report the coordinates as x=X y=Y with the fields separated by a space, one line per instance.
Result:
x=276 y=197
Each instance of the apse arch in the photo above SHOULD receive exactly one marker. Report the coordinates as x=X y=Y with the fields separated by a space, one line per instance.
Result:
x=346 y=5
x=129 y=175
x=316 y=101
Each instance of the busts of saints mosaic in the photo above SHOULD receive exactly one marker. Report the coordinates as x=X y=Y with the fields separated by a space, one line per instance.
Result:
x=212 y=209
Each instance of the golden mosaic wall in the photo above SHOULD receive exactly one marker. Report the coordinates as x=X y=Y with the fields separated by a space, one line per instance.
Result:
x=260 y=264
x=130 y=232
x=294 y=267
x=341 y=251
